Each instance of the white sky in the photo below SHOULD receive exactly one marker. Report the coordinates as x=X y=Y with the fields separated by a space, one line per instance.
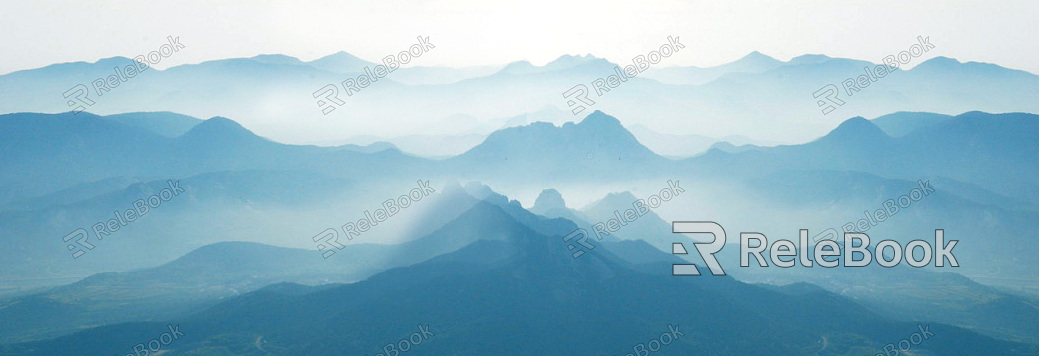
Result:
x=37 y=33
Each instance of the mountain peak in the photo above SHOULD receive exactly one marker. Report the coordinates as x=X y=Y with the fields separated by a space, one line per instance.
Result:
x=564 y=62
x=113 y=61
x=341 y=55
x=220 y=129
x=549 y=199
x=541 y=148
x=809 y=59
x=340 y=62
x=939 y=62
x=757 y=57
x=569 y=61
x=277 y=59
x=856 y=129
x=855 y=122
x=599 y=119
x=617 y=199
x=756 y=54
x=519 y=67
x=220 y=121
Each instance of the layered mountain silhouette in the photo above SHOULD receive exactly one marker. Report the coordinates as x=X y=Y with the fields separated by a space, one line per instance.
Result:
x=595 y=148
x=968 y=148
x=233 y=257
x=756 y=96
x=91 y=148
x=755 y=62
x=522 y=292
x=107 y=156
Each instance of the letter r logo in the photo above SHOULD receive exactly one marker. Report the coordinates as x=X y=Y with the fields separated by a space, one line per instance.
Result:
x=330 y=93
x=80 y=93
x=81 y=239
x=583 y=241
x=327 y=239
x=711 y=248
x=579 y=92
x=830 y=91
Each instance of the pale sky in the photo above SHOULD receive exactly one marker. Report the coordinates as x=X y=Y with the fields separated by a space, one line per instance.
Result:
x=468 y=33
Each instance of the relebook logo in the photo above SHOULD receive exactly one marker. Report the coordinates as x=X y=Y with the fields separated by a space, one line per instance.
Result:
x=855 y=244
x=577 y=99
x=104 y=228
x=329 y=238
x=78 y=97
x=329 y=94
x=639 y=207
x=852 y=85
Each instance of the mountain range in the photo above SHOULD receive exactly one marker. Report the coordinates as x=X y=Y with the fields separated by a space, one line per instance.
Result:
x=757 y=97
x=521 y=292
x=234 y=258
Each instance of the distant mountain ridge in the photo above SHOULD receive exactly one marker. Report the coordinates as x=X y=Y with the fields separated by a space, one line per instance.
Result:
x=719 y=101
x=592 y=148
x=115 y=164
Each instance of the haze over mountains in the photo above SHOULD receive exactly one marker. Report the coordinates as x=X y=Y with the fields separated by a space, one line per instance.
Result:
x=215 y=258
x=273 y=245
x=272 y=178
x=109 y=158
x=757 y=97
x=518 y=276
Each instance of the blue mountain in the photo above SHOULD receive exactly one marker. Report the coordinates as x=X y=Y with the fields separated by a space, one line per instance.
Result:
x=595 y=303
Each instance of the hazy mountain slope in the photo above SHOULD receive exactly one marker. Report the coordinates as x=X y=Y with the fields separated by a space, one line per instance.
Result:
x=754 y=62
x=263 y=91
x=464 y=295
x=968 y=148
x=903 y=123
x=596 y=148
x=163 y=123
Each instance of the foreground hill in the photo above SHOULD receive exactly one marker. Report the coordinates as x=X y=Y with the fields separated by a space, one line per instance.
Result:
x=523 y=292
